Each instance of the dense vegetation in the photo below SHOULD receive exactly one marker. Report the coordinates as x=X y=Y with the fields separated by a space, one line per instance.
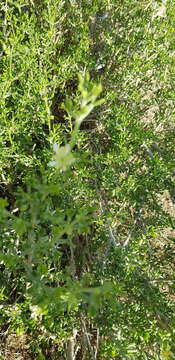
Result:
x=87 y=179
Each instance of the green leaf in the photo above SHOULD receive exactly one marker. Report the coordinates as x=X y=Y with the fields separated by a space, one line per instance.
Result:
x=20 y=226
x=63 y=158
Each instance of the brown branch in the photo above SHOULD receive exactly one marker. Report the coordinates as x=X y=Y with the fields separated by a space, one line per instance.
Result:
x=93 y=356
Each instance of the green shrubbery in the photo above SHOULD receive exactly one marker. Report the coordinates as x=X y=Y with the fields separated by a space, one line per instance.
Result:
x=87 y=191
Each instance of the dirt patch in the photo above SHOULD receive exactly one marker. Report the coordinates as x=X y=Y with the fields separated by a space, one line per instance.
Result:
x=15 y=348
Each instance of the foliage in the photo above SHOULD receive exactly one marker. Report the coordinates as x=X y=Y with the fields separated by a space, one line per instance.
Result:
x=87 y=185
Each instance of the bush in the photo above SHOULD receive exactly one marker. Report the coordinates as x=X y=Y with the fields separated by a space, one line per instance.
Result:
x=87 y=192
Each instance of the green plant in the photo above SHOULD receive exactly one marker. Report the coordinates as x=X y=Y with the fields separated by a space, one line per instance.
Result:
x=94 y=198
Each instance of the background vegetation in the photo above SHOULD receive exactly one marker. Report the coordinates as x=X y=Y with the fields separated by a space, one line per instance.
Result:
x=87 y=186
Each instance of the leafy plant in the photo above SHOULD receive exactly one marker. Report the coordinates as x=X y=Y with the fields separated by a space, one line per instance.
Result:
x=87 y=192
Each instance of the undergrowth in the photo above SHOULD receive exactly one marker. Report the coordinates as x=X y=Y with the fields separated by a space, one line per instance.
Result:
x=87 y=183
